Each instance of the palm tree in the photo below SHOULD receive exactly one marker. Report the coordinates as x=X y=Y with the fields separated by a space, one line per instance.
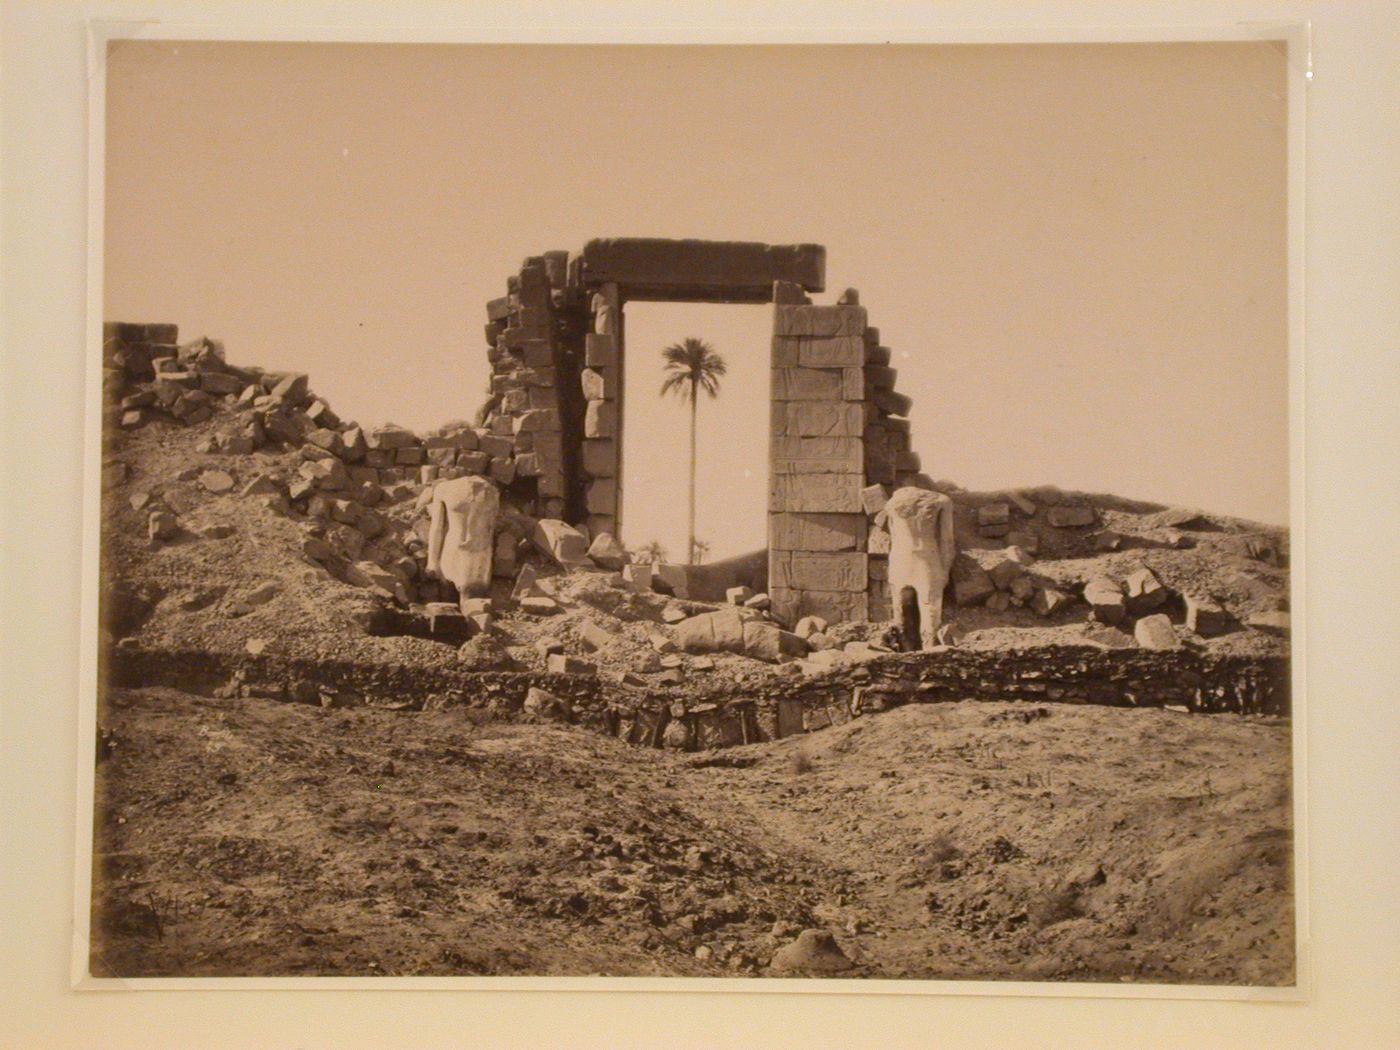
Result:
x=691 y=366
x=651 y=553
x=701 y=550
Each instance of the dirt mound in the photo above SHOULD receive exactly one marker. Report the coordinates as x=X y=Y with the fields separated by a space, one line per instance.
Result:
x=967 y=840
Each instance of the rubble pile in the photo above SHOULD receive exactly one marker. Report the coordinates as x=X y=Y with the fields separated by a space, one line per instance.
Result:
x=603 y=639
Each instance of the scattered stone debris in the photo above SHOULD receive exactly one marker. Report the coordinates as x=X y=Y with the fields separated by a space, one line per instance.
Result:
x=813 y=952
x=1156 y=632
x=1145 y=592
x=1272 y=622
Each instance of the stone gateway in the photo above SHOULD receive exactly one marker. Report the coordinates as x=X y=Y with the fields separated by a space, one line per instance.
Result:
x=839 y=430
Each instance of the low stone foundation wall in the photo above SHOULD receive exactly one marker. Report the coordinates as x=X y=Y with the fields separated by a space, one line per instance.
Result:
x=730 y=714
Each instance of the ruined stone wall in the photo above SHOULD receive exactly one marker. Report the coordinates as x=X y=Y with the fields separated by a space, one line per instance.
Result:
x=533 y=338
x=600 y=384
x=780 y=707
x=839 y=444
x=890 y=463
x=839 y=437
x=554 y=405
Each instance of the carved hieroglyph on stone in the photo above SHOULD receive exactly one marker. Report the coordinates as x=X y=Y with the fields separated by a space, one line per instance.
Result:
x=461 y=533
x=921 y=555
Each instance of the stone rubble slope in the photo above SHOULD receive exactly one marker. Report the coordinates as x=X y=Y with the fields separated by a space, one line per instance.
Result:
x=242 y=514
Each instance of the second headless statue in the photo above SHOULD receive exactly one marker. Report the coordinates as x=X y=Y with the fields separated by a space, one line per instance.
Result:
x=921 y=556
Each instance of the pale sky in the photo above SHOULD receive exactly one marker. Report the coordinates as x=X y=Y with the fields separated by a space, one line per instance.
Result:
x=1076 y=252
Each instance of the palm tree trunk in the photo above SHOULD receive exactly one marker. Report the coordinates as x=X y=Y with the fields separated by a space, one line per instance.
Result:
x=690 y=540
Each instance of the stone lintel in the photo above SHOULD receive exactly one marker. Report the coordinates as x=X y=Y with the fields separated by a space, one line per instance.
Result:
x=661 y=270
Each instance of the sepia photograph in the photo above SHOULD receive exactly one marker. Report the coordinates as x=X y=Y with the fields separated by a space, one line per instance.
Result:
x=674 y=511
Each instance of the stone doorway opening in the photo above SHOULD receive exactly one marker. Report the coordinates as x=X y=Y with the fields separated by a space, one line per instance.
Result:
x=732 y=432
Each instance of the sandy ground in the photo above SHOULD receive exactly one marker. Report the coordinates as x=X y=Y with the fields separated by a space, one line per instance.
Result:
x=962 y=840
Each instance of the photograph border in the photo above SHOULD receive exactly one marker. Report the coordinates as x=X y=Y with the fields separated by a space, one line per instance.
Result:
x=1296 y=36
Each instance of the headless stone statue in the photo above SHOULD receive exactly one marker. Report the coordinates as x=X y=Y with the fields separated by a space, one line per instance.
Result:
x=921 y=556
x=461 y=533
x=604 y=316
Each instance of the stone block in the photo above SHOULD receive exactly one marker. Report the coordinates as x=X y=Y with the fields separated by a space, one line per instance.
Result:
x=474 y=462
x=816 y=532
x=390 y=437
x=560 y=541
x=1048 y=601
x=1106 y=601
x=220 y=383
x=878 y=541
x=637 y=578
x=664 y=270
x=818 y=419
x=892 y=403
x=817 y=384
x=353 y=446
x=993 y=514
x=442 y=457
x=880 y=377
x=873 y=499
x=834 y=352
x=817 y=455
x=600 y=419
x=535 y=353
x=536 y=419
x=599 y=350
x=1270 y=622
x=838 y=352
x=1156 y=632
x=594 y=637
x=599 y=384
x=823 y=493
x=820 y=321
x=539 y=605
x=600 y=458
x=971 y=584
x=607 y=553
x=494 y=445
x=828 y=571
x=602 y=496
x=738 y=595
x=548 y=445
x=291 y=388
x=790 y=606
x=1070 y=516
x=1206 y=617
x=561 y=663
x=1004 y=572
x=1024 y=505
x=502 y=470
x=409 y=457
x=1145 y=592
x=765 y=641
